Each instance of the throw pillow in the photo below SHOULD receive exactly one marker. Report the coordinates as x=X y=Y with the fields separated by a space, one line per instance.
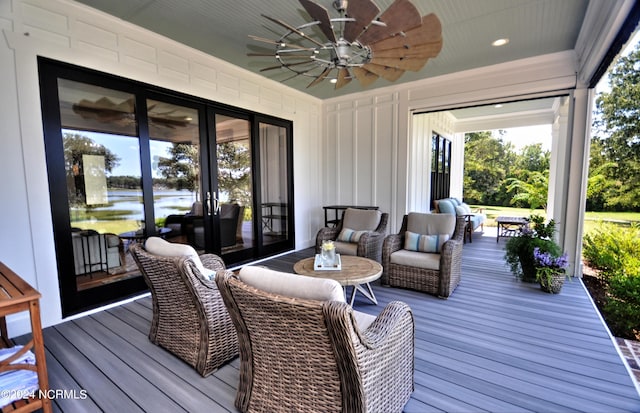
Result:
x=424 y=243
x=460 y=210
x=466 y=208
x=349 y=235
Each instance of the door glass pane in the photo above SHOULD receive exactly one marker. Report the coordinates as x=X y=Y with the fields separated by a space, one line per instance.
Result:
x=103 y=175
x=175 y=167
x=273 y=179
x=235 y=189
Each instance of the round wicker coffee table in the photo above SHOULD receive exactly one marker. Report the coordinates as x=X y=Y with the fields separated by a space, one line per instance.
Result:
x=356 y=272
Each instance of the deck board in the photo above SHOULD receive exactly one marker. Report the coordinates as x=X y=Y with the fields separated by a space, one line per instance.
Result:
x=496 y=345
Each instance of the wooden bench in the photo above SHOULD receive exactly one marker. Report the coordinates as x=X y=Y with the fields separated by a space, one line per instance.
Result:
x=16 y=295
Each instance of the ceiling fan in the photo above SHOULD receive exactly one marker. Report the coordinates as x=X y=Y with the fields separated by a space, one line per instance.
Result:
x=361 y=43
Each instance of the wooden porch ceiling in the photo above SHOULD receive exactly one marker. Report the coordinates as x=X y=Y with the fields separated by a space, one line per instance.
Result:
x=495 y=345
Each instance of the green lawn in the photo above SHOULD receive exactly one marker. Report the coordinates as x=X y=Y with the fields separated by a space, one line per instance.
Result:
x=592 y=219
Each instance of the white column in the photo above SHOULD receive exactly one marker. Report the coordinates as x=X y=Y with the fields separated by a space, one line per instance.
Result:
x=559 y=165
x=571 y=226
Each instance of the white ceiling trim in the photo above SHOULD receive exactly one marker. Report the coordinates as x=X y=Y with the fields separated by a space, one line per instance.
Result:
x=543 y=117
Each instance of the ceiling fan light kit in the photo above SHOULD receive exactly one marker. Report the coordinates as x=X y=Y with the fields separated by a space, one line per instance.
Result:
x=362 y=43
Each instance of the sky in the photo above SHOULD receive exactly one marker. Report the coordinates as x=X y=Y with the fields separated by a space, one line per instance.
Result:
x=528 y=135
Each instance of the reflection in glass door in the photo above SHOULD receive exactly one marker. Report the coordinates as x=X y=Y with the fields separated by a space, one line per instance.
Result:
x=274 y=183
x=174 y=145
x=234 y=201
x=103 y=180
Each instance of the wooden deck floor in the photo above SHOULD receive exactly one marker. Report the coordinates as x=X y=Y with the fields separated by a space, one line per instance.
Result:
x=496 y=345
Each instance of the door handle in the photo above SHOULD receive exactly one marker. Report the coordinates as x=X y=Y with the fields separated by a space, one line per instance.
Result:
x=216 y=204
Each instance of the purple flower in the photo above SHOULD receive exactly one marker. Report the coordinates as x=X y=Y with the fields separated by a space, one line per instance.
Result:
x=545 y=259
x=526 y=231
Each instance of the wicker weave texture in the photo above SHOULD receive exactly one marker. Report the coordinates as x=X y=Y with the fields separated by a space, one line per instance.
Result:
x=369 y=245
x=440 y=282
x=189 y=317
x=309 y=356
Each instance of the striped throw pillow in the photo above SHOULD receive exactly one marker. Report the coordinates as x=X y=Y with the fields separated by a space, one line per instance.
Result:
x=349 y=235
x=424 y=243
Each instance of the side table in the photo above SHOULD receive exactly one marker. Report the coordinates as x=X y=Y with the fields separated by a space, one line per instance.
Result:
x=510 y=226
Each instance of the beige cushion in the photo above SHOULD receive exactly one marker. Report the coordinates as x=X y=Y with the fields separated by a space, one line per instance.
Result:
x=163 y=248
x=346 y=248
x=361 y=219
x=416 y=259
x=292 y=285
x=431 y=224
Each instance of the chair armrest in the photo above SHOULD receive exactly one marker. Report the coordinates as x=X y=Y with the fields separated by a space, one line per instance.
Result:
x=391 y=244
x=212 y=262
x=370 y=245
x=450 y=267
x=385 y=354
x=395 y=315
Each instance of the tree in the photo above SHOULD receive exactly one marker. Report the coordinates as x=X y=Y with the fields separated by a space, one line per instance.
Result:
x=533 y=158
x=617 y=125
x=532 y=191
x=529 y=179
x=75 y=146
x=234 y=171
x=182 y=167
x=487 y=161
x=600 y=189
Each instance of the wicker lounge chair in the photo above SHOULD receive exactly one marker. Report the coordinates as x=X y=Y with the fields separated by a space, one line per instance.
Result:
x=189 y=317
x=302 y=354
x=432 y=272
x=372 y=224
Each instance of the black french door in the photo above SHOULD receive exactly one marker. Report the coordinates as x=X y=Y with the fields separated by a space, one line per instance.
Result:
x=127 y=161
x=440 y=167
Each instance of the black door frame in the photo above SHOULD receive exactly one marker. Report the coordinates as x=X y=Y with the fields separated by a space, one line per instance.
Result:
x=74 y=301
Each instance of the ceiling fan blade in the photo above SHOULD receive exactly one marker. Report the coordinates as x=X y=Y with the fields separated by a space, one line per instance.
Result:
x=430 y=32
x=364 y=76
x=401 y=63
x=401 y=16
x=363 y=11
x=343 y=78
x=388 y=73
x=421 y=50
x=320 y=77
x=319 y=13
x=293 y=29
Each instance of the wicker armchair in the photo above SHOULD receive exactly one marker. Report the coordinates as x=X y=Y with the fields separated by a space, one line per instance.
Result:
x=305 y=355
x=189 y=317
x=435 y=273
x=369 y=244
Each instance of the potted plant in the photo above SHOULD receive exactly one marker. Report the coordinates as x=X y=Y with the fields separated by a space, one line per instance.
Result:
x=550 y=270
x=519 y=249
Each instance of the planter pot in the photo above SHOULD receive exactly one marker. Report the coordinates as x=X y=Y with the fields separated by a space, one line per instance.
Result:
x=553 y=285
x=528 y=268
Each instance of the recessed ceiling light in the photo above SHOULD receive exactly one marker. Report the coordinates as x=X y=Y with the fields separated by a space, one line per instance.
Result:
x=500 y=42
x=498 y=106
x=333 y=80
